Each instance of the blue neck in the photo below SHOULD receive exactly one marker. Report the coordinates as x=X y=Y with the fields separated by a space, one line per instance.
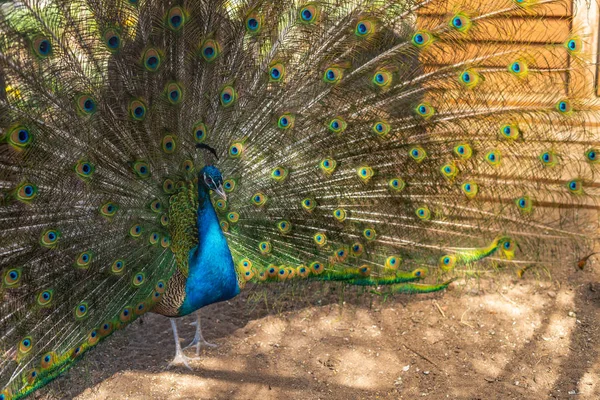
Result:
x=212 y=277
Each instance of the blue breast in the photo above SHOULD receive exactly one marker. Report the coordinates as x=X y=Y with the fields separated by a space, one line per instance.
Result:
x=212 y=277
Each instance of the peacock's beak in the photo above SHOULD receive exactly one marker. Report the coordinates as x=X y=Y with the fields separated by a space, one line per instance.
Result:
x=219 y=191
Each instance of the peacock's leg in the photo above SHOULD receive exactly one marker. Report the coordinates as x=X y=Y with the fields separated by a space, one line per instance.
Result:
x=180 y=359
x=199 y=340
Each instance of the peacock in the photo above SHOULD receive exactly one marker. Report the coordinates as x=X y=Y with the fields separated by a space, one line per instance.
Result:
x=163 y=155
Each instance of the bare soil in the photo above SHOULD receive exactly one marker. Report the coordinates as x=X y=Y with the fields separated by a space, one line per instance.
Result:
x=501 y=339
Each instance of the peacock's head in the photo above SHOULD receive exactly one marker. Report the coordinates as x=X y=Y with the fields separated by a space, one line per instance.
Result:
x=211 y=178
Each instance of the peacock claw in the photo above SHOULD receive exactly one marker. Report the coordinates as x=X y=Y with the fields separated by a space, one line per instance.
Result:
x=198 y=343
x=181 y=360
x=199 y=340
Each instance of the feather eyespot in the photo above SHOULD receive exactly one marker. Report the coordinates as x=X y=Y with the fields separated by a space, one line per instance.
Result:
x=233 y=217
x=328 y=166
x=286 y=121
x=176 y=18
x=164 y=220
x=461 y=23
x=31 y=376
x=382 y=78
x=154 y=238
x=308 y=14
x=264 y=247
x=519 y=68
x=470 y=189
x=141 y=169
x=425 y=110
x=156 y=205
x=109 y=209
x=12 y=277
x=381 y=128
x=393 y=262
x=26 y=192
x=463 y=151
x=152 y=59
x=136 y=231
x=364 y=28
x=81 y=310
x=449 y=171
x=48 y=360
x=447 y=262
x=42 y=47
x=26 y=345
x=210 y=50
x=50 y=238
x=316 y=268
x=396 y=184
x=339 y=214
x=509 y=131
x=309 y=204
x=469 y=78
x=423 y=213
x=169 y=186
x=369 y=234
x=140 y=308
x=259 y=199
x=333 y=75
x=253 y=22
x=236 y=150
x=548 y=159
x=44 y=298
x=229 y=185
x=112 y=40
x=337 y=125
x=564 y=107
x=93 y=337
x=84 y=169
x=357 y=249
x=279 y=174
x=200 y=131
x=593 y=155
x=137 y=110
x=138 y=280
x=169 y=144
x=174 y=93
x=19 y=137
x=86 y=105
x=365 y=173
x=276 y=72
x=126 y=314
x=574 y=45
x=524 y=204
x=493 y=157
x=320 y=239
x=417 y=153
x=84 y=259
x=422 y=39
x=228 y=96
x=117 y=267
x=284 y=226
x=187 y=165
x=575 y=186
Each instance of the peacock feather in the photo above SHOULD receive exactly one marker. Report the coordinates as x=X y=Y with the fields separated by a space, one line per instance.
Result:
x=162 y=155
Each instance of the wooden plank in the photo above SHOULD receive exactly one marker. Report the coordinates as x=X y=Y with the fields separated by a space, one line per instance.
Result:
x=558 y=8
x=516 y=30
x=495 y=54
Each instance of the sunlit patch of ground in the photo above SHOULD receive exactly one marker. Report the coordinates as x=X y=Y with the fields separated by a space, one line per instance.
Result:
x=511 y=340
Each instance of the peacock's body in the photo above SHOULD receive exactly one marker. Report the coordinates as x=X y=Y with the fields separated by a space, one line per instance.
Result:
x=158 y=155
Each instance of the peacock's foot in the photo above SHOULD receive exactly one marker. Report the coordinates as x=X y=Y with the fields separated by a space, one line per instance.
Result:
x=198 y=343
x=181 y=360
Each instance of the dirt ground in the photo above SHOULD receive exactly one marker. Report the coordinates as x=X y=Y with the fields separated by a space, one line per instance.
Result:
x=515 y=339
